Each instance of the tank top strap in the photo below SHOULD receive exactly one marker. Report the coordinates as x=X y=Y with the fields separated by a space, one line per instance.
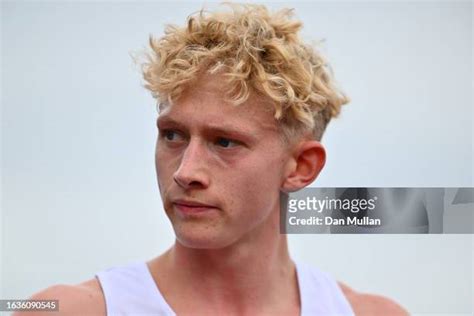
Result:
x=130 y=290
x=320 y=294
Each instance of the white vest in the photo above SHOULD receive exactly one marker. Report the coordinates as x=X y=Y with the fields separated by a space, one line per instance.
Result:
x=131 y=290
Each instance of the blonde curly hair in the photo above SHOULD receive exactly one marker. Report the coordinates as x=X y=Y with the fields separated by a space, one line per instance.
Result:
x=255 y=50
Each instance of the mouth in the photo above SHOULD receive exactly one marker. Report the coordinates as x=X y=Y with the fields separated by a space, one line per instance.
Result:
x=188 y=207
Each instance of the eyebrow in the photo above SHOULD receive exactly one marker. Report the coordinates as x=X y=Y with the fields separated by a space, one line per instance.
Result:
x=222 y=129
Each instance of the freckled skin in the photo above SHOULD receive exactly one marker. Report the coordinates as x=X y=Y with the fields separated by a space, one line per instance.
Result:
x=243 y=181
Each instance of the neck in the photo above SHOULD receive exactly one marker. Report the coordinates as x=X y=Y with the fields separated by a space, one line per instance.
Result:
x=237 y=263
x=252 y=261
x=253 y=268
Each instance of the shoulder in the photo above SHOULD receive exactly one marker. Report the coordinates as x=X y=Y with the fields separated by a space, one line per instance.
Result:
x=82 y=299
x=368 y=304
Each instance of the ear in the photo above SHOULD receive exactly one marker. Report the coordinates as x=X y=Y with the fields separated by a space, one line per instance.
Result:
x=304 y=166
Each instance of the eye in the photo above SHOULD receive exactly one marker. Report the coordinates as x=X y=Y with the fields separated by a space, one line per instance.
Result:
x=171 y=135
x=226 y=143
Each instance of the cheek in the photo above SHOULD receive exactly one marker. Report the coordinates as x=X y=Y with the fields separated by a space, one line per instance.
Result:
x=256 y=186
x=164 y=167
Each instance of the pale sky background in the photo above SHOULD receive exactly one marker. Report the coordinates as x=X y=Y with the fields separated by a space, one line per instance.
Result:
x=79 y=192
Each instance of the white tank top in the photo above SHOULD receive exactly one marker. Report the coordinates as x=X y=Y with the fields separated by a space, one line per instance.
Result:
x=131 y=290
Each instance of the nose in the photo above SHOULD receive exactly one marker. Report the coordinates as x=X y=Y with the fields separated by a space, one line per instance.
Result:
x=192 y=172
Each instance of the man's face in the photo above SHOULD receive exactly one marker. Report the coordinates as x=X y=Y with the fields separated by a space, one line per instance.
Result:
x=219 y=167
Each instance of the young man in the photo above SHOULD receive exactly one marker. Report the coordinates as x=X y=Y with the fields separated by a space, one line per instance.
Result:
x=243 y=106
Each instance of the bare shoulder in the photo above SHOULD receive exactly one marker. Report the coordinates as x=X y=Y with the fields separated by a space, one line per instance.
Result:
x=370 y=304
x=81 y=299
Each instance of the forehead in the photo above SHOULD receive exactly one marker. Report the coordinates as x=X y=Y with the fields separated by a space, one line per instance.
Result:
x=205 y=104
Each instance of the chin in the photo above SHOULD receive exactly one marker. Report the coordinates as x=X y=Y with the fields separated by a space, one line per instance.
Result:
x=201 y=238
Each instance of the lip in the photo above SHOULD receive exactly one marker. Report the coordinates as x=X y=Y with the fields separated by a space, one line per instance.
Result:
x=188 y=207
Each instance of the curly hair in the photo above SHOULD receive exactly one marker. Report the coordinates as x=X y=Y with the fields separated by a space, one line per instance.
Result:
x=256 y=51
